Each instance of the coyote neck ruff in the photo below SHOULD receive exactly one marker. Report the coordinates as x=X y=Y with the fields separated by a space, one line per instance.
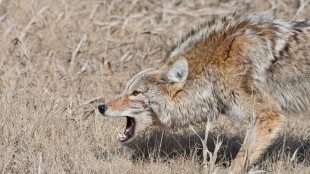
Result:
x=218 y=69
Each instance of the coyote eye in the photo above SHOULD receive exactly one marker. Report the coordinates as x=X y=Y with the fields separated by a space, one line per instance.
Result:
x=135 y=93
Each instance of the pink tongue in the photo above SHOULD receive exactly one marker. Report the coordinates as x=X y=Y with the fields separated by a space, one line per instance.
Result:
x=129 y=126
x=129 y=129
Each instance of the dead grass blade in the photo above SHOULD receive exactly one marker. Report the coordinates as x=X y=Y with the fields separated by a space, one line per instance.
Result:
x=76 y=52
x=91 y=100
x=23 y=35
x=209 y=167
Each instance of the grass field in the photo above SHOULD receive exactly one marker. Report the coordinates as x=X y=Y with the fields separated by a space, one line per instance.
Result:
x=61 y=58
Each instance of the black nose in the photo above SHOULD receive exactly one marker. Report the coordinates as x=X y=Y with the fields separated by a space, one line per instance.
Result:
x=102 y=108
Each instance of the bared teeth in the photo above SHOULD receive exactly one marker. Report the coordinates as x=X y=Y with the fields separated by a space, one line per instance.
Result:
x=129 y=130
x=122 y=136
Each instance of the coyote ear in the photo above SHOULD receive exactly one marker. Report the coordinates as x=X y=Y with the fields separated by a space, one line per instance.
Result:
x=178 y=71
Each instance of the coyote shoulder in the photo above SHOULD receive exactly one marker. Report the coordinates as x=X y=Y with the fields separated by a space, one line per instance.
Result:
x=247 y=64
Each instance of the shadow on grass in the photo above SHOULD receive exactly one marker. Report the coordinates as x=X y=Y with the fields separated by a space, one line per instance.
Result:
x=161 y=146
x=290 y=146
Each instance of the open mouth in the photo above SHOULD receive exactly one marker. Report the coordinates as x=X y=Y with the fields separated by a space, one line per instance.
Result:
x=129 y=130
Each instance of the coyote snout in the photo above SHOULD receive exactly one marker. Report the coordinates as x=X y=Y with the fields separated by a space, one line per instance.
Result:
x=219 y=69
x=137 y=119
x=130 y=126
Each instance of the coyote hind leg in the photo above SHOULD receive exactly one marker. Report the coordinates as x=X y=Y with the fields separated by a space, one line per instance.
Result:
x=269 y=124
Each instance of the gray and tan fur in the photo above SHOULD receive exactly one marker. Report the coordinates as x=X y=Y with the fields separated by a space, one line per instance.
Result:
x=218 y=69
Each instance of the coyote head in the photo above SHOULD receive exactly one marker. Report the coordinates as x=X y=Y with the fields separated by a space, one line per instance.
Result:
x=146 y=96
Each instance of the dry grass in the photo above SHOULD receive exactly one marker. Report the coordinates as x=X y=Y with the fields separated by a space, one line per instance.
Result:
x=60 y=59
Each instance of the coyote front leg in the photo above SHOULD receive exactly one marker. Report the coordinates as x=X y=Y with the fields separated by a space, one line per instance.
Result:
x=269 y=123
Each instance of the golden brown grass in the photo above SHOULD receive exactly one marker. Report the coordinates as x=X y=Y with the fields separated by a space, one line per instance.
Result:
x=59 y=59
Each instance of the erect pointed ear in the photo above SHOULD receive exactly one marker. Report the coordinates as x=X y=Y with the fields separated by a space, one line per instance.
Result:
x=178 y=71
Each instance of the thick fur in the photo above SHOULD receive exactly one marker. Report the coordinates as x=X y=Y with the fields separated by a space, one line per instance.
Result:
x=236 y=67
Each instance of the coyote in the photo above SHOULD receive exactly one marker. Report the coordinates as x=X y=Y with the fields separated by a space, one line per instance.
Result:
x=218 y=69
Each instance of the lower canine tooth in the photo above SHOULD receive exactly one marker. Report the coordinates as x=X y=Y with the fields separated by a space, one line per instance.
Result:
x=122 y=136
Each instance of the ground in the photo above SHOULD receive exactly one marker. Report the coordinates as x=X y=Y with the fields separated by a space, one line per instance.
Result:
x=60 y=59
